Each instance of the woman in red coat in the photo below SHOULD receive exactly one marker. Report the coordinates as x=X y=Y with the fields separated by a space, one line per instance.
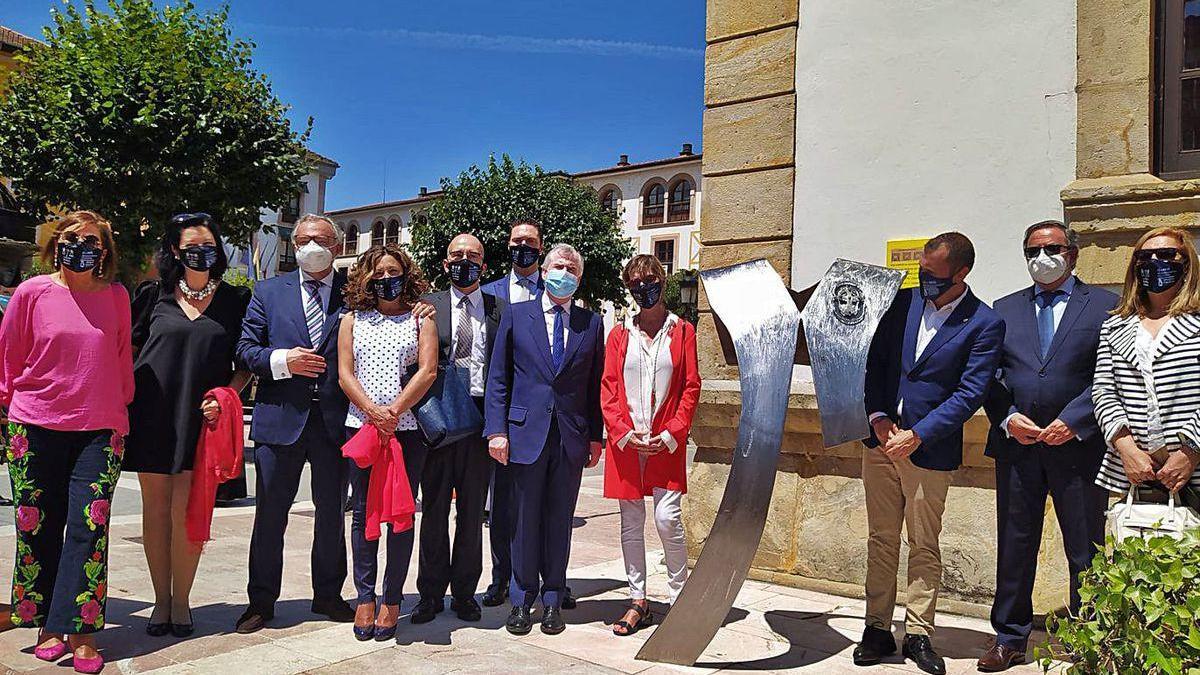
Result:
x=649 y=393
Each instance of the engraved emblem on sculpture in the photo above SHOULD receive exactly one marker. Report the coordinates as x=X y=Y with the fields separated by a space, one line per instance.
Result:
x=849 y=304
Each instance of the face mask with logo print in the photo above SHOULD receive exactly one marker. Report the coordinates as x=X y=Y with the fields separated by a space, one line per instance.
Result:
x=464 y=273
x=388 y=288
x=78 y=256
x=200 y=258
x=646 y=295
x=933 y=287
x=1156 y=276
x=523 y=255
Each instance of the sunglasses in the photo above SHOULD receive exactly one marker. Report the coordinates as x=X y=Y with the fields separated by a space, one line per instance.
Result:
x=187 y=219
x=1147 y=254
x=1032 y=252
x=73 y=238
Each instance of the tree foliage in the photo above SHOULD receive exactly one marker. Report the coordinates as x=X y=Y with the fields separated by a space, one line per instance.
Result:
x=1140 y=611
x=484 y=201
x=139 y=114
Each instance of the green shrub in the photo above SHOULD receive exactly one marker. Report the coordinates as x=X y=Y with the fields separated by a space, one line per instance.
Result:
x=1140 y=611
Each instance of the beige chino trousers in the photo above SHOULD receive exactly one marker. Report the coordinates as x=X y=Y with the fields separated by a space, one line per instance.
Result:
x=901 y=493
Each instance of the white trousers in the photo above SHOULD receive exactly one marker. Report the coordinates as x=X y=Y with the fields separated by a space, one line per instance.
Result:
x=668 y=519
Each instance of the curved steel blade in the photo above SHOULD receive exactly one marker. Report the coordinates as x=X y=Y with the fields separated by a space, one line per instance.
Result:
x=761 y=316
x=839 y=322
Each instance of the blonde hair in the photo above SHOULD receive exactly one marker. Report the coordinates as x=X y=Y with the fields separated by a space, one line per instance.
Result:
x=1134 y=301
x=106 y=269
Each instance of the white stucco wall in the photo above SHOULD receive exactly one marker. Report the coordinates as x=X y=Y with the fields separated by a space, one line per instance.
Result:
x=919 y=117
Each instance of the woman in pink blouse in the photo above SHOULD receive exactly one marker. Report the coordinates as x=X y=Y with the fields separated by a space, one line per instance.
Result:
x=66 y=377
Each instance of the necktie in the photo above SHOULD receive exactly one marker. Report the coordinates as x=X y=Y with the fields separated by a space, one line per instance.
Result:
x=527 y=284
x=1045 y=318
x=314 y=313
x=464 y=334
x=556 y=350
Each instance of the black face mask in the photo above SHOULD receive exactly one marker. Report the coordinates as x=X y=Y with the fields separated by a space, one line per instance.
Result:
x=464 y=273
x=78 y=256
x=933 y=287
x=1157 y=276
x=647 y=295
x=200 y=258
x=388 y=288
x=523 y=255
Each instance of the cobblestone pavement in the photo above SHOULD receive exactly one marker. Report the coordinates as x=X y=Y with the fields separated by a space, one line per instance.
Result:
x=771 y=628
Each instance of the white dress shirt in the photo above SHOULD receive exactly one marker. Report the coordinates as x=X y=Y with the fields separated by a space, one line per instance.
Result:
x=647 y=372
x=279 y=369
x=473 y=312
x=1058 y=309
x=517 y=292
x=932 y=319
x=548 y=306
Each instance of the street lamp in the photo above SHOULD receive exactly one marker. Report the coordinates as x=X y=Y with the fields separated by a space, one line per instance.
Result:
x=689 y=292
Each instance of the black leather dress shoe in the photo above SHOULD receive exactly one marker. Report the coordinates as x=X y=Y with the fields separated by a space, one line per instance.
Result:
x=919 y=650
x=427 y=610
x=466 y=609
x=552 y=622
x=253 y=620
x=336 y=609
x=519 y=621
x=876 y=643
x=495 y=596
x=568 y=599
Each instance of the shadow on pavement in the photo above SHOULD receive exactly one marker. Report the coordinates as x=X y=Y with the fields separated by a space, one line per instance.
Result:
x=812 y=640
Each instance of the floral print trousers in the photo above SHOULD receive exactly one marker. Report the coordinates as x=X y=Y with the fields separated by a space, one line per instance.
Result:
x=63 y=483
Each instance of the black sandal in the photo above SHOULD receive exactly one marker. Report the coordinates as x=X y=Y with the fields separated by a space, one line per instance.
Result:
x=645 y=618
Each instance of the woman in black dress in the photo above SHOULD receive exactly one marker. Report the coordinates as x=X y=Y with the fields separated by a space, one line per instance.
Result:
x=185 y=328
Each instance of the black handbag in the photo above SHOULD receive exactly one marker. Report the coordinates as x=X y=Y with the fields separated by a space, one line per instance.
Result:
x=447 y=413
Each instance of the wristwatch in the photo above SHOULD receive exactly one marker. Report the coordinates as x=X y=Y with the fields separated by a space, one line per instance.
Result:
x=1189 y=447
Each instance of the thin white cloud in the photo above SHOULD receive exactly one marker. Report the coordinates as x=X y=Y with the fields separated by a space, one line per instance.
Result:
x=495 y=43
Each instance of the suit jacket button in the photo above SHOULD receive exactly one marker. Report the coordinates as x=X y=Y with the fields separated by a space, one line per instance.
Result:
x=549 y=409
x=1042 y=373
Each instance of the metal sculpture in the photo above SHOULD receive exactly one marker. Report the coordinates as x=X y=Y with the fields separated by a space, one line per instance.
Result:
x=839 y=322
x=763 y=322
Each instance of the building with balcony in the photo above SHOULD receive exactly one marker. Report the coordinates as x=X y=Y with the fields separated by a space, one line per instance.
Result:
x=658 y=202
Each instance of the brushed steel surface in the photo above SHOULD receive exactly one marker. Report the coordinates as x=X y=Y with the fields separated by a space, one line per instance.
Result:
x=763 y=322
x=839 y=321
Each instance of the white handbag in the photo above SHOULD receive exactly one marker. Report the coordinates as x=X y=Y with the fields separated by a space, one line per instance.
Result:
x=1142 y=519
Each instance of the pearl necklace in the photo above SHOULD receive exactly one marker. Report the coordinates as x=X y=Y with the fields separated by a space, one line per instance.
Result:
x=200 y=294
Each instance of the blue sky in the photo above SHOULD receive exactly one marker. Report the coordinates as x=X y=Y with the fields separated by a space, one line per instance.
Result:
x=421 y=90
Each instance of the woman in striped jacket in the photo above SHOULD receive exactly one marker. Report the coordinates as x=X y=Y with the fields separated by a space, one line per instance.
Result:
x=1147 y=385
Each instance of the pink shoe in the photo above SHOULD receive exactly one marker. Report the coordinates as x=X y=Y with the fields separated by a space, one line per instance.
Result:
x=51 y=653
x=92 y=665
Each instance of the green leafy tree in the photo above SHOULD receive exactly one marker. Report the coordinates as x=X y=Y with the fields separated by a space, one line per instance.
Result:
x=485 y=201
x=1140 y=611
x=139 y=114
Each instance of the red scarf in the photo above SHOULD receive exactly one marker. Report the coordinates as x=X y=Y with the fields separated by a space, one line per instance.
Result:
x=218 y=459
x=389 y=497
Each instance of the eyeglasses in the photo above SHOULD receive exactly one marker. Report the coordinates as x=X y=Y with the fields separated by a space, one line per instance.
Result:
x=323 y=242
x=1146 y=254
x=1032 y=252
x=72 y=238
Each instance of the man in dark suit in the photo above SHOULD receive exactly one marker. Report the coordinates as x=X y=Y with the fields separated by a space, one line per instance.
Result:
x=467 y=321
x=543 y=421
x=289 y=340
x=931 y=361
x=1044 y=435
x=523 y=282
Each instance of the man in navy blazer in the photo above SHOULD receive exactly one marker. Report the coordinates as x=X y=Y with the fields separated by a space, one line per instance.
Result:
x=543 y=421
x=289 y=340
x=522 y=283
x=1044 y=435
x=928 y=370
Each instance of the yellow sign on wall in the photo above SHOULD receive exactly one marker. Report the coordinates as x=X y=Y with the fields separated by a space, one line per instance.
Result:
x=905 y=254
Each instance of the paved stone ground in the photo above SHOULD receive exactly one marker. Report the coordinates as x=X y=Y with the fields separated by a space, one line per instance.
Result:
x=771 y=628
